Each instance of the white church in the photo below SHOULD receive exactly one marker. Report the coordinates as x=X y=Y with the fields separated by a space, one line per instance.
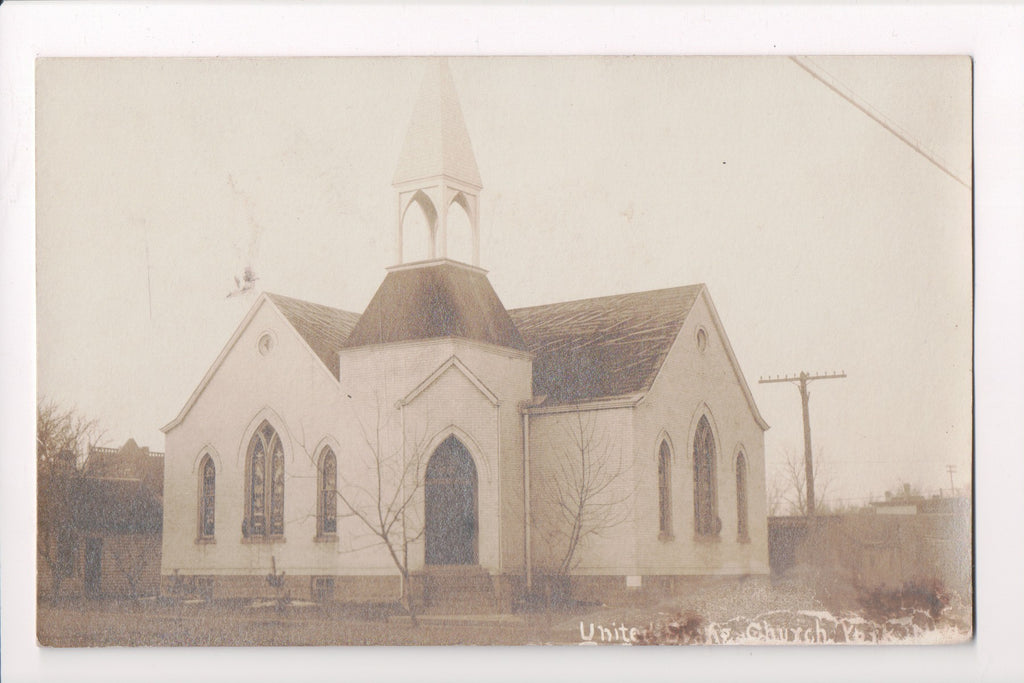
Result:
x=440 y=445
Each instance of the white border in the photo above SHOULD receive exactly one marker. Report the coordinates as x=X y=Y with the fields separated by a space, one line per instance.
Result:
x=994 y=35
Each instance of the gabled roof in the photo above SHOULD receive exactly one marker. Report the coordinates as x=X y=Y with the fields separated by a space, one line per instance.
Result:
x=605 y=347
x=437 y=142
x=325 y=329
x=322 y=328
x=128 y=462
x=435 y=299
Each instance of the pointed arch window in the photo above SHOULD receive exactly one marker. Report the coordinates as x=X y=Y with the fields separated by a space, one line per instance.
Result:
x=327 y=487
x=705 y=499
x=742 y=529
x=264 y=515
x=664 y=491
x=207 y=498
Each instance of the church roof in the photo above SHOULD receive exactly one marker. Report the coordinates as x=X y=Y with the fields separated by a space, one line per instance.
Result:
x=604 y=347
x=436 y=299
x=437 y=142
x=325 y=329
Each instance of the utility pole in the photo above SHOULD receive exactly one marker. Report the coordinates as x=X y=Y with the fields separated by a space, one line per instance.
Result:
x=952 y=488
x=801 y=381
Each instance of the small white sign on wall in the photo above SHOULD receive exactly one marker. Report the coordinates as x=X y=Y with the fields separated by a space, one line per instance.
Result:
x=634 y=581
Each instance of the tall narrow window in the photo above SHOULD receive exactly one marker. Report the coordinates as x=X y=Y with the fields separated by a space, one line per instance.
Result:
x=207 y=498
x=741 y=498
x=265 y=484
x=665 y=490
x=705 y=504
x=327 y=504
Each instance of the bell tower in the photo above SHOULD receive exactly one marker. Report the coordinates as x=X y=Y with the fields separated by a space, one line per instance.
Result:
x=437 y=171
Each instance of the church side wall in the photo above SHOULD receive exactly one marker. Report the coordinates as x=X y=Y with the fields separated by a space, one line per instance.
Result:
x=291 y=389
x=555 y=457
x=693 y=383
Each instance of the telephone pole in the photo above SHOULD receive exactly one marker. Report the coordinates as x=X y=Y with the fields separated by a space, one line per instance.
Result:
x=801 y=381
x=952 y=487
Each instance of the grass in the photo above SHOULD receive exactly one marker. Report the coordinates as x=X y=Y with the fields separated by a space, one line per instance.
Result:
x=90 y=623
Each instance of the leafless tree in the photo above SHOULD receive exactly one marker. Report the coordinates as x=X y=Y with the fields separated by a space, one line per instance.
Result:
x=587 y=494
x=380 y=486
x=132 y=560
x=63 y=438
x=788 y=490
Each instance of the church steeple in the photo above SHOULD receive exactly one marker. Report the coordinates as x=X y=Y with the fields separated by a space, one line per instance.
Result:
x=437 y=169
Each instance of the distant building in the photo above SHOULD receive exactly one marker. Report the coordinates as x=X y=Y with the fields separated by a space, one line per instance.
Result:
x=113 y=548
x=907 y=538
x=305 y=400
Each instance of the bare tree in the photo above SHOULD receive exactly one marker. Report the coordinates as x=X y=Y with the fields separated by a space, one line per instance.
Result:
x=63 y=438
x=381 y=488
x=586 y=495
x=132 y=560
x=788 y=491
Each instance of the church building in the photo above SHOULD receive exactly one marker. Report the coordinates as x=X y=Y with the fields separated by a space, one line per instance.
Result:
x=437 y=442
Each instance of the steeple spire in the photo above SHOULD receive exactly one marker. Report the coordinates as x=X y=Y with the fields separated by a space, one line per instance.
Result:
x=437 y=168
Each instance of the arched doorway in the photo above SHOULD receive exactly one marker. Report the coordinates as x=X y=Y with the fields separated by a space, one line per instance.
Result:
x=450 y=506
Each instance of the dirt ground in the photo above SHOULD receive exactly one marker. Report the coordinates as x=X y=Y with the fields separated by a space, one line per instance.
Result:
x=733 y=613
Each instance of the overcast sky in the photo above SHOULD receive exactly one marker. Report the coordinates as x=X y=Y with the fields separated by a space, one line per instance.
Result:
x=826 y=242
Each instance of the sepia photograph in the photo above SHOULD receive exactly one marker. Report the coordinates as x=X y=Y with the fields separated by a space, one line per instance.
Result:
x=548 y=350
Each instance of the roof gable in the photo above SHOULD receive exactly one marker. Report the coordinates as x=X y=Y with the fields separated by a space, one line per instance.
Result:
x=604 y=347
x=323 y=328
x=435 y=299
x=449 y=364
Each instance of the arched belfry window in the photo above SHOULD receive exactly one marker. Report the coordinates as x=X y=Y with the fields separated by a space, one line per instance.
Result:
x=207 y=498
x=705 y=503
x=742 y=530
x=664 y=490
x=327 y=488
x=264 y=515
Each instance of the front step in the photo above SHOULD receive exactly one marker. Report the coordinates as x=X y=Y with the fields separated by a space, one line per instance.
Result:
x=456 y=589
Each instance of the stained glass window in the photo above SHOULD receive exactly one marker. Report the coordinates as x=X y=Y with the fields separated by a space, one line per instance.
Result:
x=741 y=498
x=207 y=502
x=327 y=515
x=705 y=504
x=265 y=487
x=665 y=489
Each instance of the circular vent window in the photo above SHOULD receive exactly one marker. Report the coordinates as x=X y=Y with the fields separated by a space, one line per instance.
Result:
x=702 y=339
x=266 y=344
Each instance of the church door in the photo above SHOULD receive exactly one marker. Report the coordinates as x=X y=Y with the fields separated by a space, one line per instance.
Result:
x=450 y=515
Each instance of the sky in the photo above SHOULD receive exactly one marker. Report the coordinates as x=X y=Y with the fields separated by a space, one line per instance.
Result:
x=826 y=242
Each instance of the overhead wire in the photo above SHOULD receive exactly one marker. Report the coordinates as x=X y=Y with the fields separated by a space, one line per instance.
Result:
x=839 y=88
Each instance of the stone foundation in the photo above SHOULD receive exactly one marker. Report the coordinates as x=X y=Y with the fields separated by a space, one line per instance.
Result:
x=320 y=588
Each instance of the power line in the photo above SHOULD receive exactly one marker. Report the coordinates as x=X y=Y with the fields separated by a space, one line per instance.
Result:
x=836 y=86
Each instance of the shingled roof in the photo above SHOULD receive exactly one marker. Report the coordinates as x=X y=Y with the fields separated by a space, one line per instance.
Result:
x=599 y=348
x=325 y=329
x=432 y=300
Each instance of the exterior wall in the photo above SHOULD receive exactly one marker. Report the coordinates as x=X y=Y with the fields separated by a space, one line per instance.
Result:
x=358 y=417
x=429 y=410
x=692 y=383
x=871 y=551
x=291 y=389
x=553 y=446
x=121 y=555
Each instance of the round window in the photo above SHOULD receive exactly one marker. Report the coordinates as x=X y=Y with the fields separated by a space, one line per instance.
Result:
x=266 y=344
x=702 y=339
